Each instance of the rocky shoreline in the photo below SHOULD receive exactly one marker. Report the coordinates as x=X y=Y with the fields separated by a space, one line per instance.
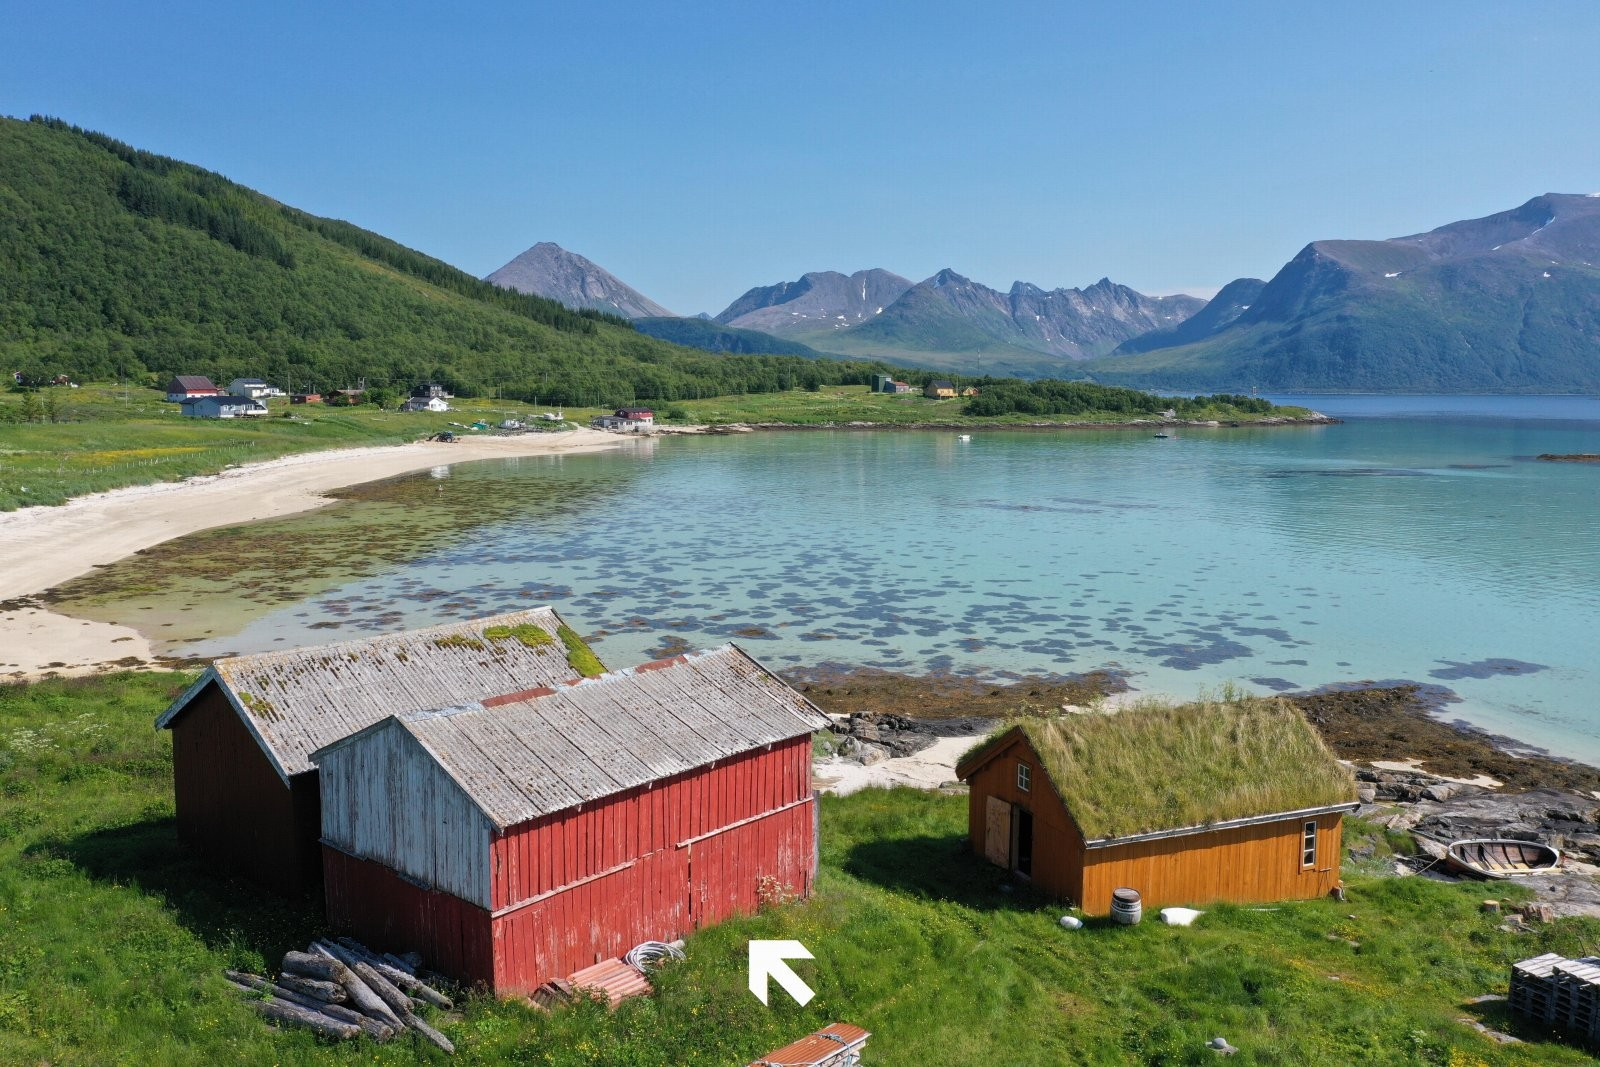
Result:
x=1385 y=722
x=1314 y=419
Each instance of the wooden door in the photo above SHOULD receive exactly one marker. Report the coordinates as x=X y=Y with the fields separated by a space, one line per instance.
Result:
x=997 y=832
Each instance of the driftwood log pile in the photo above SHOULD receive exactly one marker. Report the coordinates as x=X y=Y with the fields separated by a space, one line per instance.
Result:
x=342 y=989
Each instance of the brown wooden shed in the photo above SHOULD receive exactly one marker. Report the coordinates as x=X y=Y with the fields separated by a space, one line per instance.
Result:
x=242 y=735
x=1236 y=800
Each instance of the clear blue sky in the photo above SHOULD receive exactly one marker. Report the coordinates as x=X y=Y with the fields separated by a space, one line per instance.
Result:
x=698 y=149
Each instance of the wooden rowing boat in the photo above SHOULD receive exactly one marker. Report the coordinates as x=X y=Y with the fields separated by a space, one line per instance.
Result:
x=1497 y=858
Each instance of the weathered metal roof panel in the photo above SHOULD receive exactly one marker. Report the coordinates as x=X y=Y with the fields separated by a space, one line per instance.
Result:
x=299 y=700
x=838 y=1044
x=604 y=735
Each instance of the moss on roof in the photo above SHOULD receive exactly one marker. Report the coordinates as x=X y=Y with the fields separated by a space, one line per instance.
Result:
x=1156 y=766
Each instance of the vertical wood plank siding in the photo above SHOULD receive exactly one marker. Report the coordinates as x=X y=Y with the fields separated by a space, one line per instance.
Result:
x=585 y=884
x=539 y=856
x=1057 y=844
x=1249 y=864
x=231 y=805
x=387 y=801
x=391 y=914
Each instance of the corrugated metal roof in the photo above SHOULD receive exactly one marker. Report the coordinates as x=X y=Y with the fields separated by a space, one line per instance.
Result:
x=600 y=736
x=839 y=1044
x=298 y=700
x=612 y=979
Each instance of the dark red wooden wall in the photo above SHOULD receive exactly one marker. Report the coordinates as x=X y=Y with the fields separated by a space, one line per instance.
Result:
x=232 y=806
x=536 y=857
x=391 y=913
x=589 y=883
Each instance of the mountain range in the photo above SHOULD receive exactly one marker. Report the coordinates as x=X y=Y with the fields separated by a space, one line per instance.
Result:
x=1505 y=303
x=118 y=262
x=947 y=321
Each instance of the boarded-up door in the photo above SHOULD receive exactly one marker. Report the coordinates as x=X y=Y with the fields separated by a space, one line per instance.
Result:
x=997 y=832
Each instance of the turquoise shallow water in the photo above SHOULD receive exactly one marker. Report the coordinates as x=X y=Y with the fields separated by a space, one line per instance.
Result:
x=1419 y=540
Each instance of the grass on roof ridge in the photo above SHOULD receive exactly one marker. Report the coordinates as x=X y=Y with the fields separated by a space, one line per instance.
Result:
x=1155 y=765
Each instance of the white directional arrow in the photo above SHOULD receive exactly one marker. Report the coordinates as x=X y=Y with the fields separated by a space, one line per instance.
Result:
x=766 y=960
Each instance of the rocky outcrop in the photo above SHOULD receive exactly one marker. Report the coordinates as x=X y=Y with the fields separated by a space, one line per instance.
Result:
x=901 y=736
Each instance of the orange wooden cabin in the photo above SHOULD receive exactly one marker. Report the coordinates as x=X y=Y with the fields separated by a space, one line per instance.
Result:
x=1021 y=817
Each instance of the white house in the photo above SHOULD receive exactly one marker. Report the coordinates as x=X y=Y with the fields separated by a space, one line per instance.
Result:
x=221 y=407
x=254 y=388
x=626 y=420
x=425 y=403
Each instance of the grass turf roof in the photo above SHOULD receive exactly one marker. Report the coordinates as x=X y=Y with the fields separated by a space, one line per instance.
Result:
x=1156 y=766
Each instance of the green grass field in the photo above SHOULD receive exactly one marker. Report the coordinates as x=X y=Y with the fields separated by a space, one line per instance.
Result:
x=105 y=437
x=113 y=939
x=841 y=405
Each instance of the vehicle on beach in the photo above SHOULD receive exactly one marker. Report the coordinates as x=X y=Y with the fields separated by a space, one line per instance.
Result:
x=1501 y=859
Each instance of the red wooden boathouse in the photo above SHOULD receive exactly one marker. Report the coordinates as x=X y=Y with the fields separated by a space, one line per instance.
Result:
x=525 y=837
x=243 y=734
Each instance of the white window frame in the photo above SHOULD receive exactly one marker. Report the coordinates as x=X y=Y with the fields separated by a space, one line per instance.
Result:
x=1308 y=844
x=1024 y=776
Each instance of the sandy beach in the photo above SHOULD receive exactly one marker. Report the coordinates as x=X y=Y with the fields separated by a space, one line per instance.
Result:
x=46 y=546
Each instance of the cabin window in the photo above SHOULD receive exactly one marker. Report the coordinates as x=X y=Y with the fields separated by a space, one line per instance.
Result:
x=1308 y=845
x=1023 y=775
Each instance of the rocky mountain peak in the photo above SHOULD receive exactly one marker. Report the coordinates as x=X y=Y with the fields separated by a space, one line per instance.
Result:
x=549 y=270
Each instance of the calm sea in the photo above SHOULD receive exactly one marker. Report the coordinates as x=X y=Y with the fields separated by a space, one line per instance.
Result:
x=1418 y=540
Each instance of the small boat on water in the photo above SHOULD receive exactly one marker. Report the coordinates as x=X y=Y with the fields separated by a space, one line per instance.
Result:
x=1163 y=435
x=1496 y=858
x=964 y=437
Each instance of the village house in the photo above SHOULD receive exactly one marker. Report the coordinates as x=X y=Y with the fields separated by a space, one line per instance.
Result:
x=940 y=390
x=626 y=420
x=254 y=388
x=345 y=397
x=305 y=398
x=242 y=734
x=425 y=403
x=1235 y=801
x=186 y=386
x=432 y=391
x=882 y=383
x=524 y=837
x=221 y=407
x=971 y=390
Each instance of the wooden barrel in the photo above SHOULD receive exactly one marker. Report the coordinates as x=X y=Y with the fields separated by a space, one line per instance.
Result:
x=1125 y=906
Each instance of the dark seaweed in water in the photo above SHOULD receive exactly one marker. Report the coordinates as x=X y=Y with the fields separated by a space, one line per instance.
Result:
x=1484 y=668
x=375 y=527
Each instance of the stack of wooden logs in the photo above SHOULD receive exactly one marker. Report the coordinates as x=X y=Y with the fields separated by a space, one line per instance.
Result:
x=342 y=989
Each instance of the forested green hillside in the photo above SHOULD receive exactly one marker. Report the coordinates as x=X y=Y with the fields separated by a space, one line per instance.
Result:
x=119 y=263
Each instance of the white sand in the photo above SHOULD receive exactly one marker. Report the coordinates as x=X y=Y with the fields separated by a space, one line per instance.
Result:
x=44 y=546
x=1415 y=763
x=928 y=769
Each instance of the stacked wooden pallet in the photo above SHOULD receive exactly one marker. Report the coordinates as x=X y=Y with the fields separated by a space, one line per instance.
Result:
x=1533 y=991
x=342 y=989
x=1559 y=991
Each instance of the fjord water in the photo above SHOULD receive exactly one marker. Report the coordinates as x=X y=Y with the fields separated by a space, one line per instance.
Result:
x=1418 y=540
